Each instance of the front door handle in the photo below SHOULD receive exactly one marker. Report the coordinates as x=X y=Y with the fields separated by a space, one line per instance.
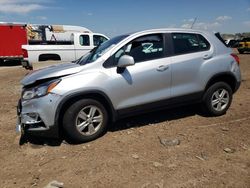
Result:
x=162 y=68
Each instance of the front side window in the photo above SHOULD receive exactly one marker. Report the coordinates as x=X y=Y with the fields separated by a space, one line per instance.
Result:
x=188 y=43
x=98 y=40
x=84 y=40
x=143 y=48
x=97 y=52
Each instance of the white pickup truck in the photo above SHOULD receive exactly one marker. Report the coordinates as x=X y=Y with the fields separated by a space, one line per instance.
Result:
x=64 y=51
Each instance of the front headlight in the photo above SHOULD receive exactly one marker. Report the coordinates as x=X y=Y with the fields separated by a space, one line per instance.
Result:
x=40 y=90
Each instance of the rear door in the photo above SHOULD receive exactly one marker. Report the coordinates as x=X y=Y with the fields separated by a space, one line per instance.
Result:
x=191 y=51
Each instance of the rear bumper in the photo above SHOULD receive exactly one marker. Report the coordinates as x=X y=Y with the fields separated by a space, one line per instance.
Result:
x=12 y=57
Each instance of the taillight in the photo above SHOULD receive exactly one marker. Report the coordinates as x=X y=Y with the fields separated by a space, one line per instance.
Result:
x=237 y=59
x=25 y=53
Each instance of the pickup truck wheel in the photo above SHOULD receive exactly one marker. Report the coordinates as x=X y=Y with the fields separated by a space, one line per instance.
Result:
x=85 y=120
x=217 y=99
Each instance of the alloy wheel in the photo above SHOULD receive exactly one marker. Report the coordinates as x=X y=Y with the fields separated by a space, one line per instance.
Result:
x=89 y=120
x=220 y=99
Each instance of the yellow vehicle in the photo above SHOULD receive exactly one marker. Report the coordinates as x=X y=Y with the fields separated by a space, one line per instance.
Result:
x=244 y=45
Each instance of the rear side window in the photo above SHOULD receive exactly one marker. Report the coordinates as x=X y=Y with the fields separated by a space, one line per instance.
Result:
x=203 y=43
x=189 y=43
x=84 y=40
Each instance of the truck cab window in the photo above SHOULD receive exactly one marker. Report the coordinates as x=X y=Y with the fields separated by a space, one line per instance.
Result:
x=84 y=40
x=98 y=40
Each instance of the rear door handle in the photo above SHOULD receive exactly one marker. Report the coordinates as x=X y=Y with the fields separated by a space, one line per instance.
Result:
x=162 y=68
x=207 y=56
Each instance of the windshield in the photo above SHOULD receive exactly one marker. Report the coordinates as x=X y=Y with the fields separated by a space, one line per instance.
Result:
x=97 y=52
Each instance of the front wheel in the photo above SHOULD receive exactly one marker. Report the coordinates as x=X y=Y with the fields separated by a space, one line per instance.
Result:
x=85 y=120
x=217 y=99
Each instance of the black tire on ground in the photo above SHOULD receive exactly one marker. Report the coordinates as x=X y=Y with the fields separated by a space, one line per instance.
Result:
x=85 y=120
x=241 y=51
x=217 y=99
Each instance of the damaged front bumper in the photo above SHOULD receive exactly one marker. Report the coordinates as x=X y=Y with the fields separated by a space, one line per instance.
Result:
x=36 y=117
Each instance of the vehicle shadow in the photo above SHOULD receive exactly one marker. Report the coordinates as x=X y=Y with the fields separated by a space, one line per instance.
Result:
x=151 y=118
x=155 y=117
x=39 y=141
x=10 y=63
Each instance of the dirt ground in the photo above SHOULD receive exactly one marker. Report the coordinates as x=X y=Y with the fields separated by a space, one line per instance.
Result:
x=130 y=154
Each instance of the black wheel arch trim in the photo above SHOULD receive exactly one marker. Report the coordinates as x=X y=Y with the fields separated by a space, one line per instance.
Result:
x=235 y=85
x=49 y=56
x=80 y=94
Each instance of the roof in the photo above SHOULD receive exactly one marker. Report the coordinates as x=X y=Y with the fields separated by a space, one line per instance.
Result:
x=174 y=30
x=13 y=23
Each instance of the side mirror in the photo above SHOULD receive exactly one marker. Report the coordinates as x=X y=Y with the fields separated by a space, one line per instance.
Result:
x=125 y=61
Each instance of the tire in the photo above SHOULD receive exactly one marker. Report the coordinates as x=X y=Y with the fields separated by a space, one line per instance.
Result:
x=85 y=120
x=241 y=51
x=217 y=99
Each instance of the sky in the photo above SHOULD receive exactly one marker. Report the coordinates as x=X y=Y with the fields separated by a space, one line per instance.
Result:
x=115 y=17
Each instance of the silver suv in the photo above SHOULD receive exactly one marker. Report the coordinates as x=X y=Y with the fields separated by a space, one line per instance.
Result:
x=126 y=75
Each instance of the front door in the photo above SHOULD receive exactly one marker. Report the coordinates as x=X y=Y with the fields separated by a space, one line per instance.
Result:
x=146 y=82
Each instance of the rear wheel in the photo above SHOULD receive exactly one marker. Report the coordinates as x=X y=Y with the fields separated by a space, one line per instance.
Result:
x=217 y=99
x=85 y=120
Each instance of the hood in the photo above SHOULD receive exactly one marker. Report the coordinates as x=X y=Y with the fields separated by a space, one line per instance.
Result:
x=51 y=72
